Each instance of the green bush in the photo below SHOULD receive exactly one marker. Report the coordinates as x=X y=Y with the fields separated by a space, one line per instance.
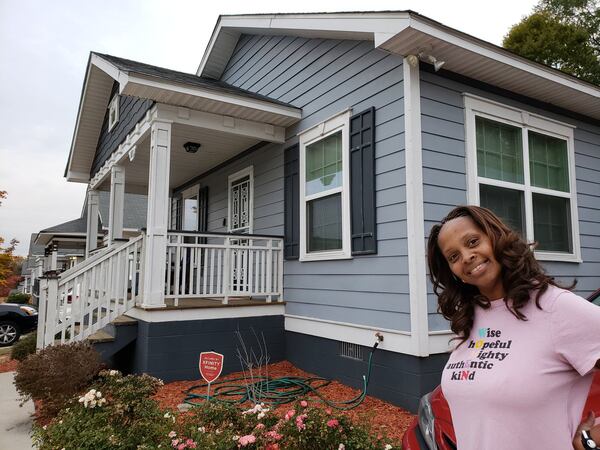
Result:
x=56 y=373
x=24 y=348
x=18 y=297
x=220 y=426
x=115 y=413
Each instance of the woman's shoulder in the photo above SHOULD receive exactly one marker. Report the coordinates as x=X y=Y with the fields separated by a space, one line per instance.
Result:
x=556 y=299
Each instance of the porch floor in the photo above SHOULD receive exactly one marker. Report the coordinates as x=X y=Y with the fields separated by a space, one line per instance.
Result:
x=191 y=303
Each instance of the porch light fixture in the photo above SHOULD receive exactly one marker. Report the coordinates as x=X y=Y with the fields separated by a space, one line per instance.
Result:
x=191 y=147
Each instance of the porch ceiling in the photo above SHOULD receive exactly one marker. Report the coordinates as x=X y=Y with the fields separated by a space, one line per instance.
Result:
x=216 y=148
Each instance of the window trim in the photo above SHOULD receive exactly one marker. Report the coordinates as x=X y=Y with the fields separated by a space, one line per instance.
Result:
x=249 y=172
x=113 y=106
x=334 y=124
x=525 y=120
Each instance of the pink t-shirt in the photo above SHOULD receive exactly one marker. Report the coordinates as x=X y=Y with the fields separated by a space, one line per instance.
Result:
x=522 y=385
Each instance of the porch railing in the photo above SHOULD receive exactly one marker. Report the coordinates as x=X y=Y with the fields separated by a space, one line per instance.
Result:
x=87 y=297
x=223 y=265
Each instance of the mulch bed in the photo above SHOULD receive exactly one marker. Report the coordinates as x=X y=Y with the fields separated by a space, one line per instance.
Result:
x=383 y=417
x=7 y=364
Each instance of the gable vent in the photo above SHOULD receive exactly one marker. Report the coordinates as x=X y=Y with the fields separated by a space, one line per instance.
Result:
x=352 y=351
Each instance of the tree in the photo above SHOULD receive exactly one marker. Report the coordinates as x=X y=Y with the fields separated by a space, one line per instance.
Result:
x=9 y=263
x=564 y=34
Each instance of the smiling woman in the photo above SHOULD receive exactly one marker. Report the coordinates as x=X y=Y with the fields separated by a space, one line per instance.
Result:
x=526 y=347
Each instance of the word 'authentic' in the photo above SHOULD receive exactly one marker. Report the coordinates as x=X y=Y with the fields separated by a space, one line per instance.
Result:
x=487 y=351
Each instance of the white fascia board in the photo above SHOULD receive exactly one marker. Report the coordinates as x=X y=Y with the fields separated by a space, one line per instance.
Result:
x=77 y=177
x=376 y=26
x=212 y=313
x=225 y=97
x=488 y=50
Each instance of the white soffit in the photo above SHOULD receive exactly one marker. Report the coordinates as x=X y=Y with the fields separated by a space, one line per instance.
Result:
x=406 y=33
x=92 y=108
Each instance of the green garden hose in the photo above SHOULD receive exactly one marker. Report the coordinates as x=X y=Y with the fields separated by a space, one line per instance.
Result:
x=276 y=391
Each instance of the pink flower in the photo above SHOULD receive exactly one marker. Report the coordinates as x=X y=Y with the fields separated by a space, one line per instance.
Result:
x=332 y=423
x=300 y=422
x=181 y=447
x=291 y=413
x=272 y=446
x=328 y=411
x=248 y=439
x=304 y=403
x=260 y=426
x=174 y=442
x=172 y=434
x=273 y=435
x=190 y=443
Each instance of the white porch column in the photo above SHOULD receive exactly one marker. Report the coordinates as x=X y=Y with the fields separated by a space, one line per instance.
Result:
x=158 y=214
x=91 y=239
x=117 y=203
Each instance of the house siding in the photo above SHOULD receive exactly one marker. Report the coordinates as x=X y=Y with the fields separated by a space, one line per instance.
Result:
x=324 y=77
x=445 y=181
x=131 y=111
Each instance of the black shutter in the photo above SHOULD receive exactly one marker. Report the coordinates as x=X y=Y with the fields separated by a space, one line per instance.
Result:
x=203 y=209
x=291 y=206
x=362 y=182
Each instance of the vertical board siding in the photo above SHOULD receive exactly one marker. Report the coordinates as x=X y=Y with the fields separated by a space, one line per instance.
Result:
x=325 y=77
x=444 y=176
x=131 y=111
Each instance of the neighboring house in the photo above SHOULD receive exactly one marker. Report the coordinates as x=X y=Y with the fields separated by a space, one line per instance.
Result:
x=293 y=181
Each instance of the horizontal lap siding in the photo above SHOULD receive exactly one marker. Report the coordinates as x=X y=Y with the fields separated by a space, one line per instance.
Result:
x=325 y=77
x=444 y=176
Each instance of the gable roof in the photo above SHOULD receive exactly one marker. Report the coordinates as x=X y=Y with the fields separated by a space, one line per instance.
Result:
x=405 y=33
x=164 y=86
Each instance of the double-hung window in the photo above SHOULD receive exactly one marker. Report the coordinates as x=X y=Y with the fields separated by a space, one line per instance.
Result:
x=324 y=190
x=521 y=166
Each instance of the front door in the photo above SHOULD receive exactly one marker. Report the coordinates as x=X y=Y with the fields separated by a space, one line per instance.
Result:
x=241 y=185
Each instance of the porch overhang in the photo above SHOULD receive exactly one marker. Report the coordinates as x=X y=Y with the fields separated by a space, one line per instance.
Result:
x=409 y=33
x=236 y=109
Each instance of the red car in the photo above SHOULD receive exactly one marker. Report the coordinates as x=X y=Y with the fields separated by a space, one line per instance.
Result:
x=432 y=428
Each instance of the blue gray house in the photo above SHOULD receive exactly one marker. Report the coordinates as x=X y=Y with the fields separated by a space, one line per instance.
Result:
x=292 y=182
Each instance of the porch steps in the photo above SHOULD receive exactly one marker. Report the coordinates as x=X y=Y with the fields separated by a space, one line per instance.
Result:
x=114 y=337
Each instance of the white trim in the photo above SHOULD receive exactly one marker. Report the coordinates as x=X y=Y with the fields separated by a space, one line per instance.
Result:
x=177 y=315
x=137 y=83
x=397 y=341
x=526 y=121
x=246 y=172
x=338 y=122
x=113 y=106
x=220 y=122
x=415 y=220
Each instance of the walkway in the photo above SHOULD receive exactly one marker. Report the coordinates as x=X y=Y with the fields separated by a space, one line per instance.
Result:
x=15 y=421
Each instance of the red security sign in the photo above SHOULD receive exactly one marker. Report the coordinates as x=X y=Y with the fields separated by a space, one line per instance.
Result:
x=211 y=365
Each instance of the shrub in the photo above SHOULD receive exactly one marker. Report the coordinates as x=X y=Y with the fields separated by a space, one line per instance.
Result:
x=224 y=427
x=25 y=347
x=18 y=297
x=115 y=413
x=56 y=373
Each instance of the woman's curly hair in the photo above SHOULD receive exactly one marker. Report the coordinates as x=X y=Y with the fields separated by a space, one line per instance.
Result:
x=521 y=273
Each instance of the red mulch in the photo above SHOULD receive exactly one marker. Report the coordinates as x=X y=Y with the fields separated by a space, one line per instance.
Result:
x=7 y=364
x=383 y=417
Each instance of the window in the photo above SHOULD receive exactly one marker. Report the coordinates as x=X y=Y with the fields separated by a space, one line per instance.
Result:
x=324 y=190
x=241 y=201
x=521 y=166
x=189 y=209
x=113 y=112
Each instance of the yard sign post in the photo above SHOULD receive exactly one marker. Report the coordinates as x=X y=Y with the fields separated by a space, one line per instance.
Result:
x=211 y=365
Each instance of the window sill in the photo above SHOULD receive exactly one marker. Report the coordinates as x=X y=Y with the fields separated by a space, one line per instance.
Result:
x=325 y=256
x=557 y=257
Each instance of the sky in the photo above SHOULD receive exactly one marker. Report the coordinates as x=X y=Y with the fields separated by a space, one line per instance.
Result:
x=44 y=48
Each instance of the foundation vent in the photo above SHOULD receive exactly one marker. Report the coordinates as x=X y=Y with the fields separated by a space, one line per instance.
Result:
x=352 y=351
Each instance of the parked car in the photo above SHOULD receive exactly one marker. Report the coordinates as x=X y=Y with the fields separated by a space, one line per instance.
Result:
x=432 y=429
x=16 y=319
